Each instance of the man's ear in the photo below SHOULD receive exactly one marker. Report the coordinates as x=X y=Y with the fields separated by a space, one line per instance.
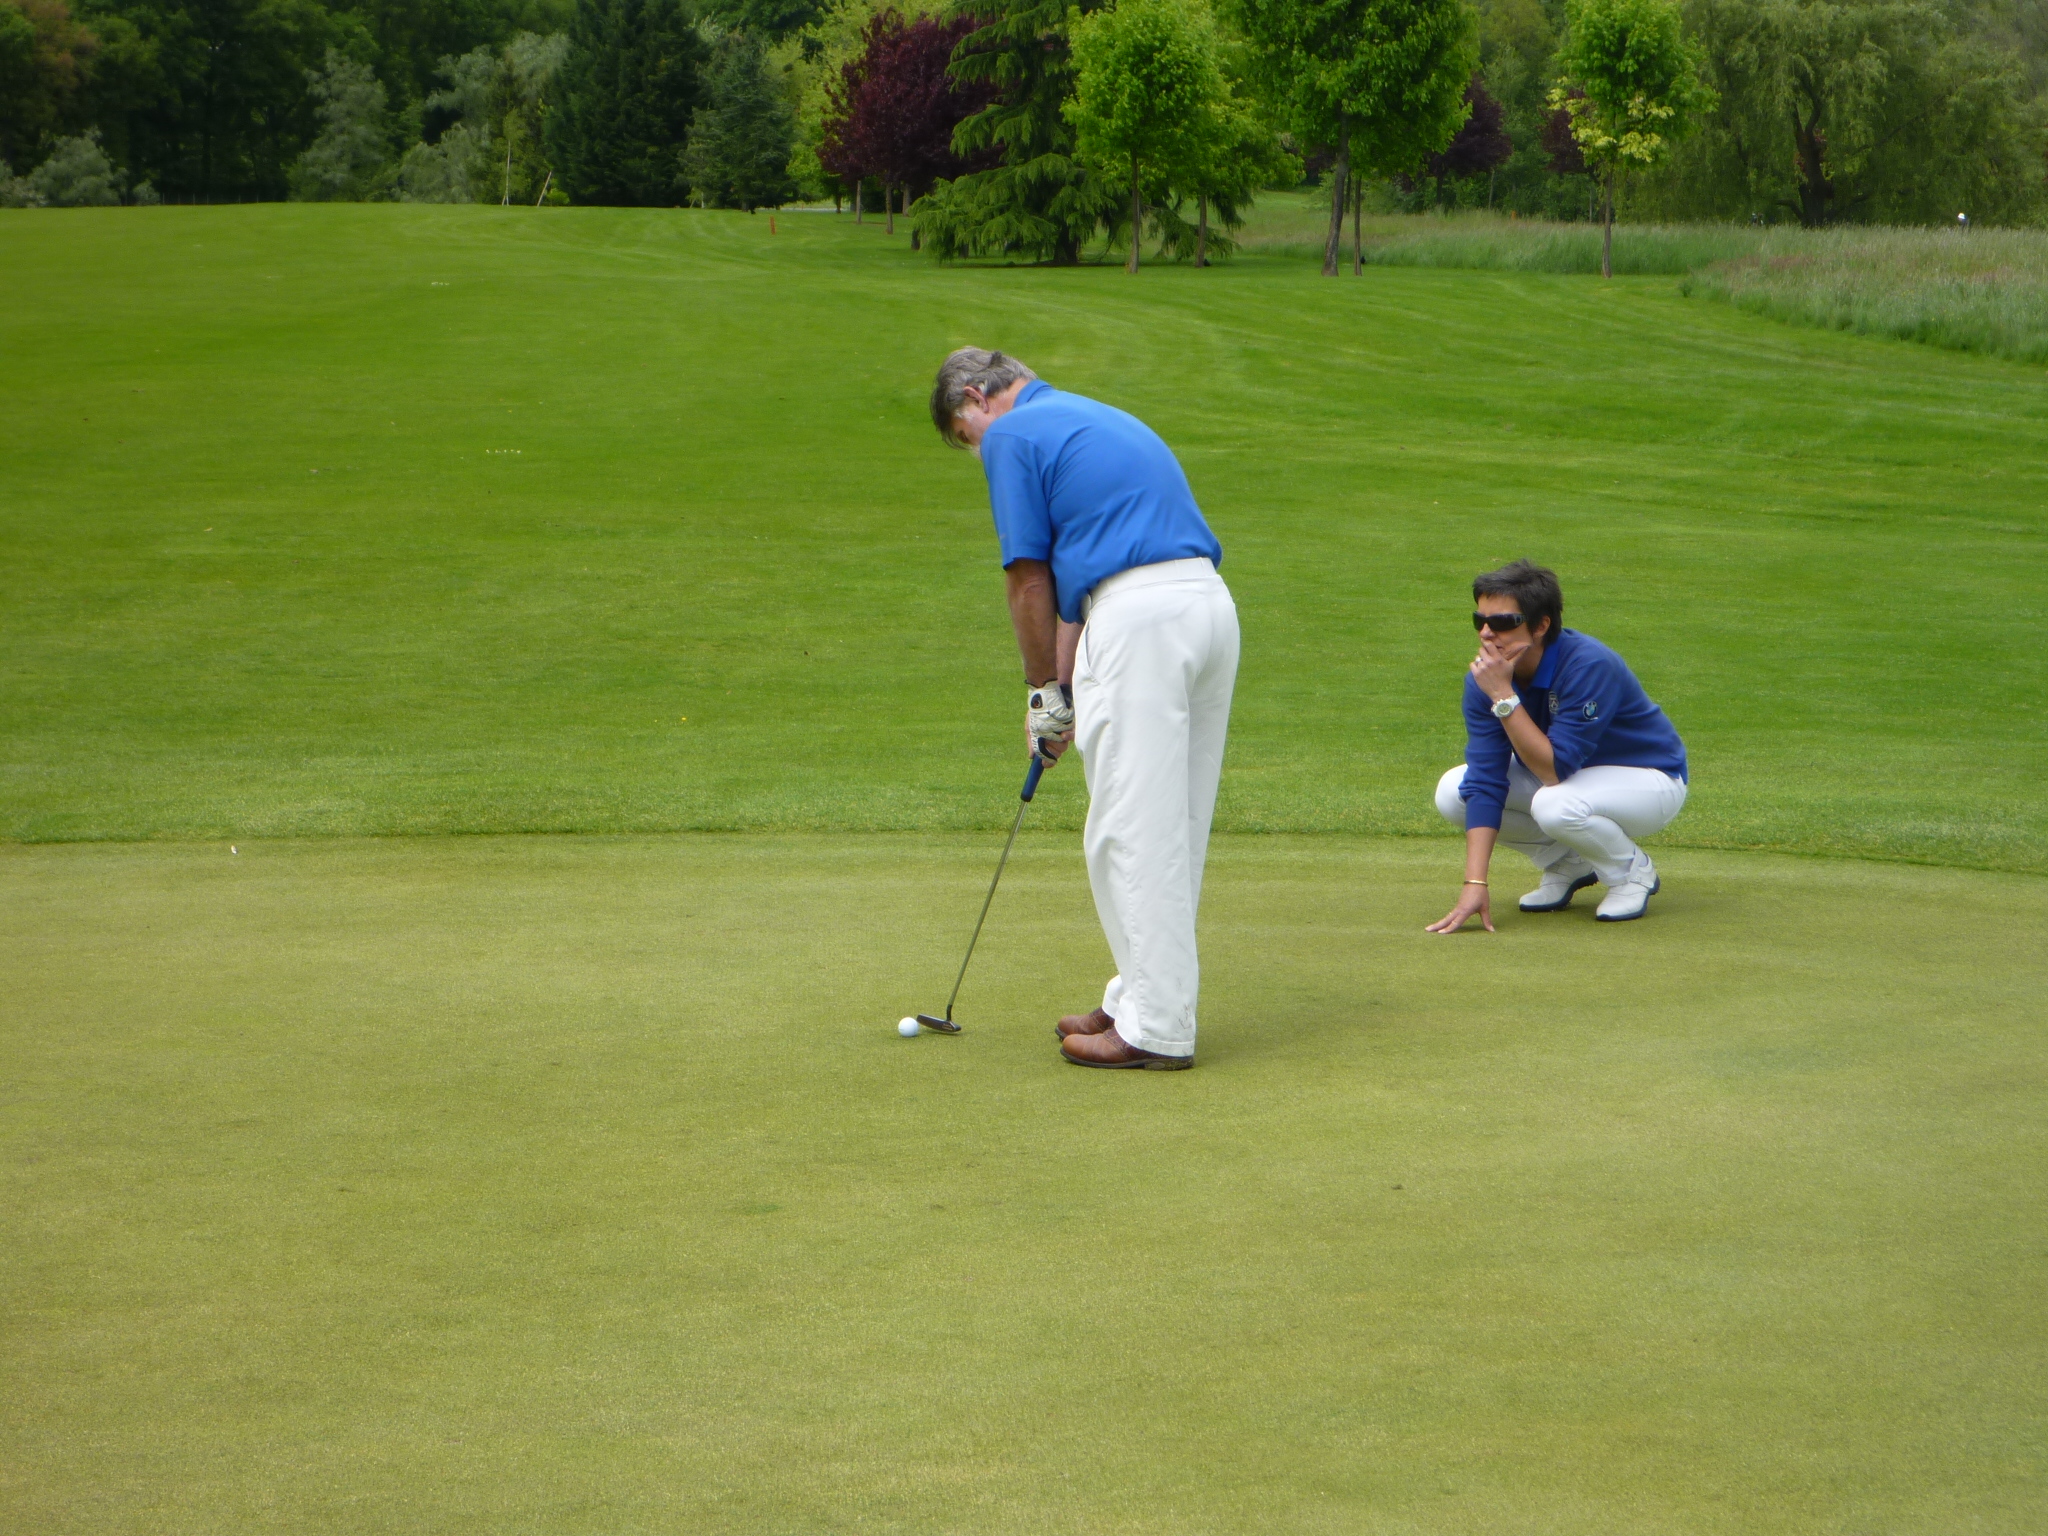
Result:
x=1541 y=636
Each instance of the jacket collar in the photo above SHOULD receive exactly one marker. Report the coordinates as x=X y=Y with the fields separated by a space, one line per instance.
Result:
x=1546 y=669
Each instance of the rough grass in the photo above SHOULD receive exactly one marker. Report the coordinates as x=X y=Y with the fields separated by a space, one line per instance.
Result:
x=1985 y=291
x=1288 y=225
x=583 y=1187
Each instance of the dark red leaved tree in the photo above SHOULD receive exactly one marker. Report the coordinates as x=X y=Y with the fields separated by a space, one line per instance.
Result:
x=1482 y=146
x=1566 y=158
x=894 y=108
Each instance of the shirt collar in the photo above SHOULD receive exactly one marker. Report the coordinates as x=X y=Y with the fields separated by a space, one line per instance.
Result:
x=1024 y=395
x=1546 y=669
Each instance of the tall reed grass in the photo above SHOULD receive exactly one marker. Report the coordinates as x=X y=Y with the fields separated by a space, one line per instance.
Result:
x=1984 y=291
x=1981 y=291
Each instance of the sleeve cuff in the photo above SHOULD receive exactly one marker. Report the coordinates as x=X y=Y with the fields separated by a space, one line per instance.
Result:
x=1482 y=813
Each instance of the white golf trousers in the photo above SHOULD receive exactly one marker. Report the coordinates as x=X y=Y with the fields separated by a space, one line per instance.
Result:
x=1597 y=813
x=1152 y=684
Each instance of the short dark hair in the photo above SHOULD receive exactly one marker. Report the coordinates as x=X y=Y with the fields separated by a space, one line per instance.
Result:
x=1533 y=587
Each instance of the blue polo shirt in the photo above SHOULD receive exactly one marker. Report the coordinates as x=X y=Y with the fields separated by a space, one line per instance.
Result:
x=1585 y=699
x=1088 y=488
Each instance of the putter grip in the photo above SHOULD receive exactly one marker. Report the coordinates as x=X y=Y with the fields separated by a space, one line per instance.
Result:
x=1032 y=776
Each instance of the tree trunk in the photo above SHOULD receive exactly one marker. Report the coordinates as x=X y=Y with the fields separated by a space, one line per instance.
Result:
x=1137 y=217
x=1607 y=235
x=1357 y=223
x=889 y=209
x=916 y=244
x=1202 y=231
x=1810 y=146
x=858 y=187
x=1340 y=187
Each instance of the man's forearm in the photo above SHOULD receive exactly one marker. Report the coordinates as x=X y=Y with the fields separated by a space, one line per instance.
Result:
x=1067 y=645
x=1034 y=617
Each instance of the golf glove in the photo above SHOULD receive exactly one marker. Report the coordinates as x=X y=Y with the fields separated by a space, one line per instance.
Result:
x=1049 y=712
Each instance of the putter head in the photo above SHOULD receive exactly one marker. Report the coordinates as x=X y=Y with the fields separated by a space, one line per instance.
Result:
x=943 y=1026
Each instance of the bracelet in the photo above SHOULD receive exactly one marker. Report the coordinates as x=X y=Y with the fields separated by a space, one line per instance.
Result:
x=1475 y=882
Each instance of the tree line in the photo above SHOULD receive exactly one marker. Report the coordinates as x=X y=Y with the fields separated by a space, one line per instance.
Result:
x=1035 y=127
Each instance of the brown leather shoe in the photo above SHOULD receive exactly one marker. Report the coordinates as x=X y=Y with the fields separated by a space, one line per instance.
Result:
x=1084 y=1024
x=1108 y=1049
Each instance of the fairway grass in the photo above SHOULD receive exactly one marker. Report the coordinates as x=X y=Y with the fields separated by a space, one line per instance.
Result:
x=576 y=1185
x=347 y=520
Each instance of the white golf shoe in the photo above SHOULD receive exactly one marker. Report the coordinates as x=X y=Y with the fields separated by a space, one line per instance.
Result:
x=1630 y=898
x=1561 y=882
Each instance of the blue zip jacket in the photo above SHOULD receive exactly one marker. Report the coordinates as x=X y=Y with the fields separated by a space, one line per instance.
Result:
x=1585 y=699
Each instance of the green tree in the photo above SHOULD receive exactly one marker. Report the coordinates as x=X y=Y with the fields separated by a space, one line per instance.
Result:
x=1380 y=81
x=1245 y=155
x=208 y=97
x=1881 y=109
x=44 y=57
x=740 y=140
x=492 y=117
x=1043 y=200
x=78 y=174
x=347 y=161
x=1630 y=83
x=1149 y=97
x=629 y=88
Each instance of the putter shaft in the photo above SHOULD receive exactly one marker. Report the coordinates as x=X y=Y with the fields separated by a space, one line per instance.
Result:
x=987 y=901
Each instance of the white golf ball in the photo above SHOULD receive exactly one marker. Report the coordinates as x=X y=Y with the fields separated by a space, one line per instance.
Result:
x=906 y=1027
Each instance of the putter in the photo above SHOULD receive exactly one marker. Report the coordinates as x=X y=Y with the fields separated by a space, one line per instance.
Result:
x=946 y=1026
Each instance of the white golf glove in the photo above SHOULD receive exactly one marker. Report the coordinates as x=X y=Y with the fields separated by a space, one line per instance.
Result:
x=1048 y=712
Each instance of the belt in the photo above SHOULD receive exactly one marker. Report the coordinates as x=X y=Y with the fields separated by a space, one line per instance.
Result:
x=1146 y=576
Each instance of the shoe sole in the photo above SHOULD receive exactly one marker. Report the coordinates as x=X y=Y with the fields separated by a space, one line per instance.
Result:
x=1148 y=1063
x=1578 y=885
x=1602 y=917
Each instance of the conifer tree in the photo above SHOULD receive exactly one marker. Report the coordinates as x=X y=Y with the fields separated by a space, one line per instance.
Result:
x=1043 y=200
x=630 y=86
x=741 y=137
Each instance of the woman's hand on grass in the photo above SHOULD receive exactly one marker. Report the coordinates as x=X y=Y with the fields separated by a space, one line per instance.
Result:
x=1472 y=899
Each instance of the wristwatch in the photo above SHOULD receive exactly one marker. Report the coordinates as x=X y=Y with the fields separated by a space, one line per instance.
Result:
x=1502 y=708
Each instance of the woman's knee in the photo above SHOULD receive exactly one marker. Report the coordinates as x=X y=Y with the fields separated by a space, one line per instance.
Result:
x=1449 y=804
x=1556 y=808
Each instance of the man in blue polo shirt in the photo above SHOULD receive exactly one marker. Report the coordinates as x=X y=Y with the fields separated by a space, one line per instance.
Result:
x=1566 y=759
x=1129 y=639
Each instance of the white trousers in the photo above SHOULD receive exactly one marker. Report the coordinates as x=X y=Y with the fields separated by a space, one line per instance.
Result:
x=1152 y=684
x=1597 y=813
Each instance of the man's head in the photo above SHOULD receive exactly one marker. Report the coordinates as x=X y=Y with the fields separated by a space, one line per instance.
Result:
x=973 y=388
x=1521 y=603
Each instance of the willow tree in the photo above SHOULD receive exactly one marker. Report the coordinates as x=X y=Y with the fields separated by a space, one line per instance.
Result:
x=1382 y=82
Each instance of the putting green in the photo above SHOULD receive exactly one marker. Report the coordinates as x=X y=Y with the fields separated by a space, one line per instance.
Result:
x=583 y=1185
x=344 y=520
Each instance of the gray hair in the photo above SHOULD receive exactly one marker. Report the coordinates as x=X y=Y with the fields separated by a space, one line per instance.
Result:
x=970 y=368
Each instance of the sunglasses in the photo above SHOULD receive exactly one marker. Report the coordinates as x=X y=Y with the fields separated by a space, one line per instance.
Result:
x=1499 y=623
